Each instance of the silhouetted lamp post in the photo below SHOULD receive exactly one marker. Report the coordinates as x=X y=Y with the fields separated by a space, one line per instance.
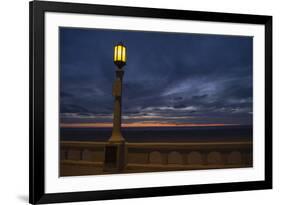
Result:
x=114 y=160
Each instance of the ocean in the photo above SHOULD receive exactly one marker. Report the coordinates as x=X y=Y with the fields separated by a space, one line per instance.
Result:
x=163 y=134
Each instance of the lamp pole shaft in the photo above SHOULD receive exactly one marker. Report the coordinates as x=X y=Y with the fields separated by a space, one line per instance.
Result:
x=117 y=93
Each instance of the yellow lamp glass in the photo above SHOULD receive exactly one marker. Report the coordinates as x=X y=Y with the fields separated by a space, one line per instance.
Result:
x=124 y=54
x=119 y=56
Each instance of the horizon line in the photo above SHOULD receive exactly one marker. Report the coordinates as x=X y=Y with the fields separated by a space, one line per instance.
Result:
x=143 y=125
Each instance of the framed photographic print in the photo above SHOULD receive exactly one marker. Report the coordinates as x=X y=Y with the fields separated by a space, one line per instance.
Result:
x=140 y=102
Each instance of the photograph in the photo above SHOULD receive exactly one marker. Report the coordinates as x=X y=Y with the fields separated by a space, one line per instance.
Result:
x=148 y=101
x=130 y=102
x=140 y=102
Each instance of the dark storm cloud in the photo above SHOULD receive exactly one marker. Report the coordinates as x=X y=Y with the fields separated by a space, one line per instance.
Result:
x=169 y=76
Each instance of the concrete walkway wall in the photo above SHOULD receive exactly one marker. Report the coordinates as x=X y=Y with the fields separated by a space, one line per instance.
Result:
x=80 y=158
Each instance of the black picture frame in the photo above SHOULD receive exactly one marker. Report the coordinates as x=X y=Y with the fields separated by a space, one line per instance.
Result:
x=37 y=193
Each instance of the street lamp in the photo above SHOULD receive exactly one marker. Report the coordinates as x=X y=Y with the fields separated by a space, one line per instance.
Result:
x=114 y=160
x=120 y=56
x=119 y=59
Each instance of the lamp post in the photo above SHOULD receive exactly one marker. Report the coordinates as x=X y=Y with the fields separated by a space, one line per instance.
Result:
x=119 y=59
x=114 y=160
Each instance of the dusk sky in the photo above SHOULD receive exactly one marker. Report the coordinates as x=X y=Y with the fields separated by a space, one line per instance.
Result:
x=170 y=78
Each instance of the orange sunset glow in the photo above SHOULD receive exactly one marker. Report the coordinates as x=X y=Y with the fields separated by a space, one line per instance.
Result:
x=139 y=124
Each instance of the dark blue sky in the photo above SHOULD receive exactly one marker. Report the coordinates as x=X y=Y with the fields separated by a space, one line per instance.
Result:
x=169 y=77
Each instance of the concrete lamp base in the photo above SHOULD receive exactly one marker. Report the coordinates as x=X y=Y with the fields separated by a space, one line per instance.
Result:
x=114 y=159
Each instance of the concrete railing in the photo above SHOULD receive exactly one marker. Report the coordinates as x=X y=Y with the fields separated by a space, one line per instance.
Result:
x=80 y=158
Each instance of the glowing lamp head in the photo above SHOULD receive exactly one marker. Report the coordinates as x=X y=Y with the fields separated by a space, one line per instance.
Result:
x=120 y=56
